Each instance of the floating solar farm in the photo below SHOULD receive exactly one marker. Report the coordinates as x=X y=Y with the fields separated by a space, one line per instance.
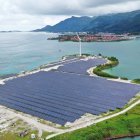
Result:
x=65 y=94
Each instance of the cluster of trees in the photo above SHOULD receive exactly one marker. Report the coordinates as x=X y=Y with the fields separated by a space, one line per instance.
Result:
x=99 y=69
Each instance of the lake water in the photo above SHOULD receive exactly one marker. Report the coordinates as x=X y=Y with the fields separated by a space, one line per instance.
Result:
x=135 y=138
x=26 y=51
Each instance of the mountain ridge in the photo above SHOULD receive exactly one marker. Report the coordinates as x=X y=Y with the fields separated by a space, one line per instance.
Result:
x=117 y=23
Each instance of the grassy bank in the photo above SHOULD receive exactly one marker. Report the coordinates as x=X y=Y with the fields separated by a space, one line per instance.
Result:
x=136 y=81
x=123 y=125
x=112 y=63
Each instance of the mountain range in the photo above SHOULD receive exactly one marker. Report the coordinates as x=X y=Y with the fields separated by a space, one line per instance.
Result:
x=117 y=23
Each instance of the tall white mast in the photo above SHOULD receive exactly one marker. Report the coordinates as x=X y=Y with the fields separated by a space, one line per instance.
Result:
x=80 y=50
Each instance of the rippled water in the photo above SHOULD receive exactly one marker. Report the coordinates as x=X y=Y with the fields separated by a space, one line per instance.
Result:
x=25 y=51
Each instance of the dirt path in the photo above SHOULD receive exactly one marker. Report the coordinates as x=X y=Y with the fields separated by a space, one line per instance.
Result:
x=30 y=120
x=38 y=125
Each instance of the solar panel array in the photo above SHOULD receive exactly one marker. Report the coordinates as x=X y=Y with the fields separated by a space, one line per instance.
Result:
x=64 y=97
x=81 y=66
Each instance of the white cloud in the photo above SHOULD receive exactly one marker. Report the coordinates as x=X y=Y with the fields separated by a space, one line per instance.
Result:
x=31 y=14
x=115 y=8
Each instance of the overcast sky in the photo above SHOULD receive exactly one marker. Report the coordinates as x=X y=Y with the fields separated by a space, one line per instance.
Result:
x=32 y=14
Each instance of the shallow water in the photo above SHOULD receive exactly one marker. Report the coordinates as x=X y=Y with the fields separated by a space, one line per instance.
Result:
x=133 y=138
x=26 y=51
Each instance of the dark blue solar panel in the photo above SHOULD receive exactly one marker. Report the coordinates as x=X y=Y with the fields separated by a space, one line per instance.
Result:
x=66 y=94
x=81 y=66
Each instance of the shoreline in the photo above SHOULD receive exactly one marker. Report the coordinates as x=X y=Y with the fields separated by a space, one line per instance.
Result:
x=52 y=65
x=123 y=136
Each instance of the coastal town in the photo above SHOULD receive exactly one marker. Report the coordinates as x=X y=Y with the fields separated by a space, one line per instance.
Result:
x=90 y=37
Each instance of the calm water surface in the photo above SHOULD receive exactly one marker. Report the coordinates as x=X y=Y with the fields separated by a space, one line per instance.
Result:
x=25 y=51
x=135 y=138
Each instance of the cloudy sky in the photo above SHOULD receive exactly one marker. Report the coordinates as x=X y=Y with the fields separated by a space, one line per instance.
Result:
x=32 y=14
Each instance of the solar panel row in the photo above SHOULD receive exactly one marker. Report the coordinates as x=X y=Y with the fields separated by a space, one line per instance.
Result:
x=68 y=100
x=32 y=112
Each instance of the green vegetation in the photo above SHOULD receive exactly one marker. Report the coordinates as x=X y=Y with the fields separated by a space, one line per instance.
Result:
x=45 y=134
x=10 y=136
x=137 y=81
x=124 y=78
x=14 y=136
x=99 y=69
x=123 y=125
x=86 y=54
